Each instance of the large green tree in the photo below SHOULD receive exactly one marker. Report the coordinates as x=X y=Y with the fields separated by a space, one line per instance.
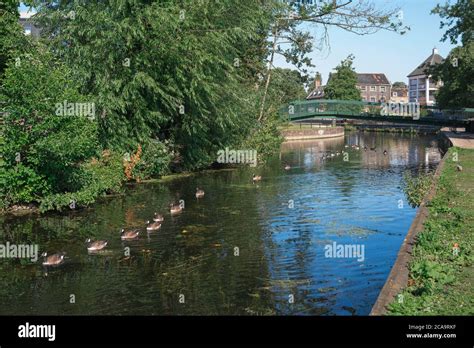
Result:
x=171 y=71
x=457 y=71
x=342 y=83
x=12 y=39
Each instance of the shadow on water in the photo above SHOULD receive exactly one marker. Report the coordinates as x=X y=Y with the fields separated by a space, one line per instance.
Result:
x=245 y=248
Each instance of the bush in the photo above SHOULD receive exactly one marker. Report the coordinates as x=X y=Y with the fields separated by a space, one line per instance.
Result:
x=154 y=161
x=96 y=177
x=48 y=145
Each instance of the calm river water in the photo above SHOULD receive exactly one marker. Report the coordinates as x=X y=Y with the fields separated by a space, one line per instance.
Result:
x=251 y=249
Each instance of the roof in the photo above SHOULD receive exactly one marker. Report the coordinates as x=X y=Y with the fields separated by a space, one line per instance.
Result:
x=317 y=93
x=433 y=59
x=372 y=79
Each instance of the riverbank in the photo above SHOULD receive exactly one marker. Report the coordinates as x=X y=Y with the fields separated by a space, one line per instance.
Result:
x=441 y=270
x=306 y=132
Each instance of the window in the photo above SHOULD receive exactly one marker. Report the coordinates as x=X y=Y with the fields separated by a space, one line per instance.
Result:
x=394 y=94
x=372 y=99
x=382 y=88
x=372 y=88
x=363 y=88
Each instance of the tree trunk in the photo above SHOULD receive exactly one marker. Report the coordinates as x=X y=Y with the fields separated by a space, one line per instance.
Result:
x=269 y=75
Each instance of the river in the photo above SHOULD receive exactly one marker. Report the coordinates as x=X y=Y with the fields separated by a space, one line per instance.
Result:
x=243 y=249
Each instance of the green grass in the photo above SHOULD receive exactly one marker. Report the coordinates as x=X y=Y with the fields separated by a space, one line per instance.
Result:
x=441 y=282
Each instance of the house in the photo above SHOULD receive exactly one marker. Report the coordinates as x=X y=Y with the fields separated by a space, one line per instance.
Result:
x=421 y=87
x=374 y=87
x=399 y=94
x=27 y=24
x=318 y=91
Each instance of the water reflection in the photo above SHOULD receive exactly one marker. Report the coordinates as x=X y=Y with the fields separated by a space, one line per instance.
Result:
x=244 y=248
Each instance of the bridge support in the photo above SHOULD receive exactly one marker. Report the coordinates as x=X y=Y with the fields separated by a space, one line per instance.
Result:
x=470 y=126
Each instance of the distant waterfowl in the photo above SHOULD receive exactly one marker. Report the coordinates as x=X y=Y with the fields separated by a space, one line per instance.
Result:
x=95 y=245
x=158 y=218
x=385 y=152
x=365 y=148
x=175 y=208
x=153 y=226
x=287 y=167
x=256 y=178
x=53 y=260
x=373 y=149
x=129 y=234
x=199 y=193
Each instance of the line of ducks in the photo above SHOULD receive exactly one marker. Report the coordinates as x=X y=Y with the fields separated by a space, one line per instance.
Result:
x=125 y=235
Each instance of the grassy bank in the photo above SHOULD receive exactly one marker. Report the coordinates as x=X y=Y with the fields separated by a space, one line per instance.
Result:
x=441 y=269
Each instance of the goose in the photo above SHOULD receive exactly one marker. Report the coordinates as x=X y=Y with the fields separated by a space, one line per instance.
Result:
x=256 y=178
x=153 y=226
x=96 y=245
x=175 y=208
x=53 y=260
x=199 y=193
x=128 y=235
x=365 y=148
x=287 y=167
x=373 y=149
x=158 y=218
x=385 y=152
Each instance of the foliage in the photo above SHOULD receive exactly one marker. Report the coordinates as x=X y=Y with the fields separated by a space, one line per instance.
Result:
x=440 y=278
x=399 y=84
x=457 y=74
x=287 y=85
x=96 y=177
x=457 y=71
x=265 y=139
x=44 y=150
x=154 y=161
x=459 y=17
x=416 y=187
x=161 y=70
x=342 y=84
x=12 y=39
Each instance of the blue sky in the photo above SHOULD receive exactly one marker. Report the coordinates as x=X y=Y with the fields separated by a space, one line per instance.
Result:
x=384 y=52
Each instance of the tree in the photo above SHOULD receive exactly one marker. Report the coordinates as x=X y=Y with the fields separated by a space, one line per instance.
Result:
x=286 y=85
x=459 y=17
x=457 y=71
x=399 y=84
x=342 y=83
x=12 y=39
x=457 y=74
x=173 y=72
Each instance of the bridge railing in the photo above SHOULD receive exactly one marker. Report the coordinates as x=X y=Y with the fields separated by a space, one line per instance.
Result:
x=302 y=109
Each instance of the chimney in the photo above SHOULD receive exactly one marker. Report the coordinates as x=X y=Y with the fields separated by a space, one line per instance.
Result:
x=435 y=50
x=317 y=80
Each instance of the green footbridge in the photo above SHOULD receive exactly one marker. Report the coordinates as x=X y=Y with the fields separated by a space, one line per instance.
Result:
x=388 y=112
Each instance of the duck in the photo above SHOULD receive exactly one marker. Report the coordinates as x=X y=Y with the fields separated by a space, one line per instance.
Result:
x=158 y=218
x=373 y=149
x=153 y=226
x=365 y=148
x=256 y=178
x=54 y=259
x=128 y=235
x=287 y=167
x=199 y=193
x=385 y=152
x=96 y=245
x=175 y=208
